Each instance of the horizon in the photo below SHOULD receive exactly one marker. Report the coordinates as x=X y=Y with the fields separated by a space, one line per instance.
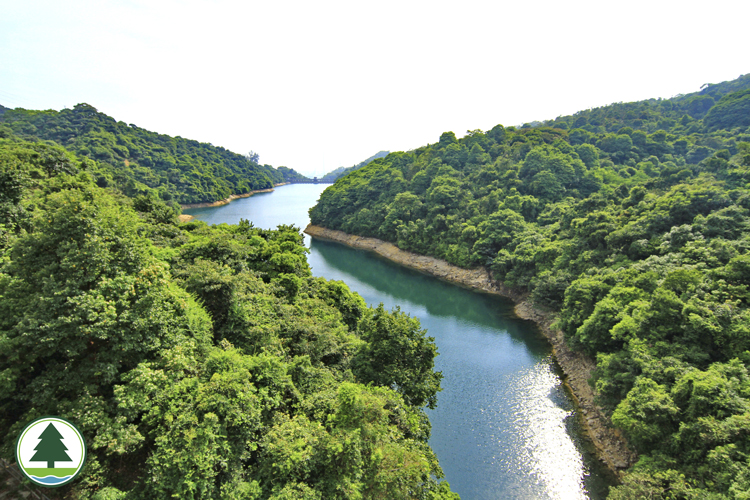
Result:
x=318 y=87
x=532 y=123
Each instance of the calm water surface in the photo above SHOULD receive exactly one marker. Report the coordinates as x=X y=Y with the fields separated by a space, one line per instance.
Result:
x=505 y=428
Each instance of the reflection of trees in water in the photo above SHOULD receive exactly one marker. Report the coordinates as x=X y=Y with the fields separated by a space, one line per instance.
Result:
x=439 y=298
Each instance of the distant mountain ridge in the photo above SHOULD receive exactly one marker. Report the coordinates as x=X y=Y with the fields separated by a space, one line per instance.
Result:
x=342 y=171
x=138 y=161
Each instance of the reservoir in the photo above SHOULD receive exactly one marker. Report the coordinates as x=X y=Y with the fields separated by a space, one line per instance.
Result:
x=504 y=427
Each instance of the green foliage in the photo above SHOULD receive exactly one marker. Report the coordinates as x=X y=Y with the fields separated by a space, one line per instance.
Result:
x=630 y=221
x=199 y=362
x=139 y=162
x=291 y=175
x=398 y=355
x=732 y=110
x=357 y=454
x=342 y=171
x=647 y=414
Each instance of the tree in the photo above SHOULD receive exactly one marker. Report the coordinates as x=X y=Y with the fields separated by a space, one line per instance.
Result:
x=447 y=138
x=50 y=449
x=588 y=154
x=647 y=414
x=744 y=148
x=253 y=157
x=732 y=110
x=87 y=280
x=399 y=355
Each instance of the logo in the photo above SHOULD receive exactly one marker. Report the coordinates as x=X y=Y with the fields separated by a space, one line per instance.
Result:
x=51 y=451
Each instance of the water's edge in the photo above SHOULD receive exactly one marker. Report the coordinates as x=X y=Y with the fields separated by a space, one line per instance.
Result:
x=231 y=198
x=611 y=446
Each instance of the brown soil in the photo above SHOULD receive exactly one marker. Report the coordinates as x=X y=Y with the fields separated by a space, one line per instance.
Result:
x=612 y=448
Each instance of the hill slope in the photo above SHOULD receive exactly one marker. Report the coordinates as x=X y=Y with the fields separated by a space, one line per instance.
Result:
x=342 y=171
x=136 y=160
x=632 y=222
x=198 y=362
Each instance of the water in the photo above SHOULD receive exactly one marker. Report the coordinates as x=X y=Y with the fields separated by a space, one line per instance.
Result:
x=504 y=428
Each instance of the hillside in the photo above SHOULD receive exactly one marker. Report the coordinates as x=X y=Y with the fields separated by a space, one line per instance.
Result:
x=629 y=222
x=198 y=362
x=342 y=171
x=138 y=161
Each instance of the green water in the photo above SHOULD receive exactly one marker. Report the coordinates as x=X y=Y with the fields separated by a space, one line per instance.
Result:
x=505 y=428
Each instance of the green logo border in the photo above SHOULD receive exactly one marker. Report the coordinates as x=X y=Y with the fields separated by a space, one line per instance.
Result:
x=83 y=445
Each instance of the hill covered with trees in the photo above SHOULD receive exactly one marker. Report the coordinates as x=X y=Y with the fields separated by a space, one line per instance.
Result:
x=198 y=362
x=137 y=161
x=630 y=221
x=342 y=171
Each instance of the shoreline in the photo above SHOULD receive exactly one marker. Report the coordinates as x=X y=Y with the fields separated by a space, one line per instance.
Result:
x=611 y=446
x=231 y=198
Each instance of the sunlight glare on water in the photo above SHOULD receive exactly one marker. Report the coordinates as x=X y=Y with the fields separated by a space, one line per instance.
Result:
x=548 y=452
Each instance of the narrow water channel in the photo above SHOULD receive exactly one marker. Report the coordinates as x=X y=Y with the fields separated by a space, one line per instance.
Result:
x=504 y=428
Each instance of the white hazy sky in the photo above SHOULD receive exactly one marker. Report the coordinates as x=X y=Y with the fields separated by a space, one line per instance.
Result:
x=314 y=85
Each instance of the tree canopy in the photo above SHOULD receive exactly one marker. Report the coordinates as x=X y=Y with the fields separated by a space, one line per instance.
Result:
x=198 y=361
x=137 y=161
x=342 y=171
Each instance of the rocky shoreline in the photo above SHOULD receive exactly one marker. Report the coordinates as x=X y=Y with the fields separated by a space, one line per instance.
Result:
x=612 y=448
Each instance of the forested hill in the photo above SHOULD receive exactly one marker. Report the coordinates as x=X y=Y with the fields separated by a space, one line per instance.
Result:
x=138 y=161
x=716 y=106
x=199 y=362
x=630 y=221
x=342 y=171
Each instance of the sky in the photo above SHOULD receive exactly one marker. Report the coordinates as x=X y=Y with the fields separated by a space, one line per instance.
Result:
x=318 y=85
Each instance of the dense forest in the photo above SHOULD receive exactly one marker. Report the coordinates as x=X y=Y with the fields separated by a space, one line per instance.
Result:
x=342 y=171
x=199 y=362
x=630 y=222
x=137 y=161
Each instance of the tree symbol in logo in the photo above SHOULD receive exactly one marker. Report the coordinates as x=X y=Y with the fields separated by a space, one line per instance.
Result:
x=50 y=449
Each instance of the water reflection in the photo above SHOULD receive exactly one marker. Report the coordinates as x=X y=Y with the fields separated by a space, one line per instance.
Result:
x=436 y=297
x=503 y=424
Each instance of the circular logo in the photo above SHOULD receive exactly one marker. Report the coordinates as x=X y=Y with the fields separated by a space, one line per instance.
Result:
x=50 y=451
